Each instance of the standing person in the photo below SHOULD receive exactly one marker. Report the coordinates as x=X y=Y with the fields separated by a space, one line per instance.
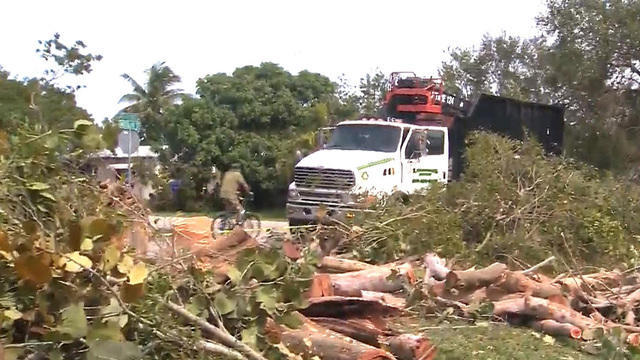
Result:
x=232 y=183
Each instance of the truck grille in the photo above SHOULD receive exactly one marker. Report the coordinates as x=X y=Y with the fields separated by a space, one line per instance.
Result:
x=333 y=179
x=315 y=197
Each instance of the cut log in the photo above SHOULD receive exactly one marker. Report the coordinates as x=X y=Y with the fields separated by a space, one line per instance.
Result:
x=345 y=307
x=411 y=347
x=403 y=347
x=633 y=339
x=362 y=330
x=471 y=280
x=435 y=267
x=591 y=282
x=379 y=279
x=555 y=328
x=335 y=264
x=311 y=340
x=388 y=299
x=542 y=309
x=515 y=282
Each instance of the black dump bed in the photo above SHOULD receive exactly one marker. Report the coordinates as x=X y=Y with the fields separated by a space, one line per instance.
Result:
x=511 y=118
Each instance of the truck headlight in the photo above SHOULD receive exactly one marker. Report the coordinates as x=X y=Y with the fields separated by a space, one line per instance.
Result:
x=293 y=193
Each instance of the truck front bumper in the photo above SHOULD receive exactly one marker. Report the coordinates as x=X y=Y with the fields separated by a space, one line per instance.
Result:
x=298 y=213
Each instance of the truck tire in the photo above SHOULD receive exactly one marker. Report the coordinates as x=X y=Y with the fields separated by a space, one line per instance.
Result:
x=294 y=224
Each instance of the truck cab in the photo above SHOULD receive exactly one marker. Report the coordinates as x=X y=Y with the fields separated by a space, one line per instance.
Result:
x=366 y=158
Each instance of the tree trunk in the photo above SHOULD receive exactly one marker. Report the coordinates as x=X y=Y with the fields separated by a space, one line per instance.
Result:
x=362 y=330
x=334 y=264
x=555 y=328
x=435 y=267
x=411 y=347
x=353 y=283
x=514 y=282
x=542 y=309
x=311 y=340
x=471 y=280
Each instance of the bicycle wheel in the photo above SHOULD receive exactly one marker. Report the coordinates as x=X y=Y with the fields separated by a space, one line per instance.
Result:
x=222 y=224
x=252 y=225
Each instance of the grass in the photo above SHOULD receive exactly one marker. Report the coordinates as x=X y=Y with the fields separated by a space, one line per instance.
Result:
x=461 y=340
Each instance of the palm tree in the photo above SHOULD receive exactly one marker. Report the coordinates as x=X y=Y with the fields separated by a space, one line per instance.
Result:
x=151 y=101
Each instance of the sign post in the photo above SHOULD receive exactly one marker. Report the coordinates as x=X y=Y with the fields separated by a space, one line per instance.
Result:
x=128 y=139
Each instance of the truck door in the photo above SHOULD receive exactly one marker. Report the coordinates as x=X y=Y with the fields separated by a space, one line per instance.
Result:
x=413 y=155
x=436 y=161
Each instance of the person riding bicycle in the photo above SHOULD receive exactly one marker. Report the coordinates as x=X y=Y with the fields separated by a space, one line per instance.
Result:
x=232 y=183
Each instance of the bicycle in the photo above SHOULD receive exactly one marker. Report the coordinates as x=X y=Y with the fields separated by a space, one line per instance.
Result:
x=226 y=221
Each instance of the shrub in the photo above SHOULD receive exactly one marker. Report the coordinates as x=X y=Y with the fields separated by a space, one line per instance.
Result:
x=513 y=204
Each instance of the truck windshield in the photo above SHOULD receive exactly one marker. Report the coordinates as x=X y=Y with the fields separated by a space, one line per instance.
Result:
x=365 y=137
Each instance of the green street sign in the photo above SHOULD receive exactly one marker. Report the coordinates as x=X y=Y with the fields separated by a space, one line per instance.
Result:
x=129 y=122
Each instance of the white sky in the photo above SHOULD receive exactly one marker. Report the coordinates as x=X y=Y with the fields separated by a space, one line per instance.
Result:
x=197 y=38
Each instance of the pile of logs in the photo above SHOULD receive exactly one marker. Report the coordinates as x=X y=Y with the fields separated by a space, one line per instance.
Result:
x=346 y=315
x=572 y=305
x=350 y=302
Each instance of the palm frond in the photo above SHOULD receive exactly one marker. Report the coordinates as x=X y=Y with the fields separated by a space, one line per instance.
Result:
x=130 y=98
x=137 y=88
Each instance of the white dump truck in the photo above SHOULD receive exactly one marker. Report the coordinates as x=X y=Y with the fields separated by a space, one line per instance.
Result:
x=420 y=141
x=373 y=157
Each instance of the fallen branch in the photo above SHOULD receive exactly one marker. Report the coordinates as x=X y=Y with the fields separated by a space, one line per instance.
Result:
x=555 y=328
x=435 y=267
x=218 y=349
x=343 y=265
x=218 y=335
x=542 y=309
x=470 y=280
x=311 y=340
x=379 y=278
x=538 y=266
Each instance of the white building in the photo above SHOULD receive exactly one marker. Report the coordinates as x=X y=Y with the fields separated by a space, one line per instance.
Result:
x=113 y=166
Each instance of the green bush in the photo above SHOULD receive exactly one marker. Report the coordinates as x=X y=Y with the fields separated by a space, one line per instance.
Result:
x=513 y=204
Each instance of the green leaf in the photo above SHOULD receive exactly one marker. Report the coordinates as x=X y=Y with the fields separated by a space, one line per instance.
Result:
x=81 y=123
x=12 y=354
x=47 y=195
x=34 y=268
x=13 y=314
x=113 y=307
x=37 y=186
x=262 y=271
x=74 y=262
x=267 y=297
x=86 y=244
x=101 y=228
x=110 y=258
x=250 y=336
x=197 y=305
x=113 y=350
x=107 y=331
x=138 y=273
x=55 y=355
x=74 y=321
x=291 y=320
x=75 y=235
x=234 y=275
x=224 y=304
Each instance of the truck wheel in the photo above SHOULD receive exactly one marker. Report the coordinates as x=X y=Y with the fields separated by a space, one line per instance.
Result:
x=294 y=224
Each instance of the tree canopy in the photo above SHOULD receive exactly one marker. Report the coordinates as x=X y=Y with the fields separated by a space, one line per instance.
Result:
x=32 y=101
x=585 y=59
x=258 y=116
x=151 y=100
